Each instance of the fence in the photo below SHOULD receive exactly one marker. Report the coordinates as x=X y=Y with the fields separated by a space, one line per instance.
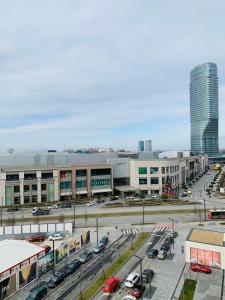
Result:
x=35 y=228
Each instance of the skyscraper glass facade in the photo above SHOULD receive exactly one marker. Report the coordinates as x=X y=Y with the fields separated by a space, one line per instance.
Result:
x=204 y=111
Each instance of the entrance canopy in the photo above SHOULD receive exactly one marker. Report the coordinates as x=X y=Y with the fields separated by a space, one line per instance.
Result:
x=126 y=188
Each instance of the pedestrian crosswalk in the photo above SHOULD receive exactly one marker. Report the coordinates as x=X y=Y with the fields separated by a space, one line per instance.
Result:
x=129 y=231
x=163 y=228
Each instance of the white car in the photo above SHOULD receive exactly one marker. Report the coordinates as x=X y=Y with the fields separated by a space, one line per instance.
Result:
x=132 y=279
x=55 y=237
x=129 y=197
x=129 y=297
x=154 y=196
x=90 y=204
x=53 y=206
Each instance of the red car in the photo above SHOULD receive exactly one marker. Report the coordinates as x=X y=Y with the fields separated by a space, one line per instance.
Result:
x=111 y=284
x=47 y=248
x=36 y=238
x=138 y=290
x=200 y=268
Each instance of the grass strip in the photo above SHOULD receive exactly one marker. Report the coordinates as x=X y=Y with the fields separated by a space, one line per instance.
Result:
x=113 y=268
x=188 y=290
x=62 y=218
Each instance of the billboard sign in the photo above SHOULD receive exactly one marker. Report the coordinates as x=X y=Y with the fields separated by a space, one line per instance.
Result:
x=85 y=238
x=8 y=287
x=27 y=274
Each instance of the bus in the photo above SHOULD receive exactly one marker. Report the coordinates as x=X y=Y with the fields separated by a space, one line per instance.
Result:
x=216 y=214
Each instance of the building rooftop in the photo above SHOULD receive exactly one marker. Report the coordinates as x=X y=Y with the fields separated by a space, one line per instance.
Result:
x=13 y=252
x=206 y=237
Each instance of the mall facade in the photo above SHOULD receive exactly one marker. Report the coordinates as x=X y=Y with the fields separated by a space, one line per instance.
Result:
x=120 y=175
x=32 y=185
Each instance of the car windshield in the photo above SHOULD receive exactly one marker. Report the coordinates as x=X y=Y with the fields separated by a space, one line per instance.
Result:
x=83 y=255
x=107 y=284
x=54 y=279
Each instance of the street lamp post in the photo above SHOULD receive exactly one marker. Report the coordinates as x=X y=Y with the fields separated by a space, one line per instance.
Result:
x=97 y=229
x=140 y=259
x=74 y=216
x=143 y=211
x=172 y=220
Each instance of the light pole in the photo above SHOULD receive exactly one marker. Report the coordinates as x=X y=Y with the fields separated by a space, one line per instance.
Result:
x=140 y=259
x=97 y=229
x=143 y=211
x=74 y=216
x=172 y=220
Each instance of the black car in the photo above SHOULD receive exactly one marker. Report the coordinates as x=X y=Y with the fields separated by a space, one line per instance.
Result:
x=86 y=256
x=11 y=209
x=72 y=267
x=66 y=205
x=100 y=201
x=147 y=275
x=152 y=253
x=104 y=240
x=169 y=240
x=39 y=292
x=56 y=279
x=113 y=198
x=165 y=247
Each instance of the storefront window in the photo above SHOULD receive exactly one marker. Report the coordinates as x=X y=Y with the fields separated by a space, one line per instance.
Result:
x=205 y=257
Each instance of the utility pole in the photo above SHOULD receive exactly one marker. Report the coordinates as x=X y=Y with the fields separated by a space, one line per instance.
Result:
x=143 y=211
x=97 y=228
x=74 y=215
x=204 y=209
x=172 y=220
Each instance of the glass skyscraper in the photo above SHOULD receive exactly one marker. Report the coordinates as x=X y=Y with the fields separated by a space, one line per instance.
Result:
x=204 y=111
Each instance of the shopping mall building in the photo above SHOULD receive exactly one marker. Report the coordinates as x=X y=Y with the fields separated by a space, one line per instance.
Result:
x=37 y=181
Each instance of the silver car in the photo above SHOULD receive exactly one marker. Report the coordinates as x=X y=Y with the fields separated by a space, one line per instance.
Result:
x=162 y=254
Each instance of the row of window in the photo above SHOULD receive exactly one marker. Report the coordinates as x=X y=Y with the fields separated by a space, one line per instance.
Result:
x=155 y=180
x=155 y=170
x=28 y=188
x=29 y=176
x=10 y=200
x=83 y=183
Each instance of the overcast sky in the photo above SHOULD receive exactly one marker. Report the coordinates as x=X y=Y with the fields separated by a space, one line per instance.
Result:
x=78 y=73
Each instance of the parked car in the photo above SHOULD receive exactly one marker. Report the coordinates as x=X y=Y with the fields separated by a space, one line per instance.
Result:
x=111 y=284
x=55 y=237
x=53 y=206
x=104 y=240
x=165 y=247
x=113 y=198
x=47 y=248
x=99 y=248
x=38 y=292
x=184 y=194
x=200 y=268
x=56 y=279
x=100 y=201
x=129 y=297
x=66 y=205
x=72 y=267
x=138 y=290
x=147 y=275
x=36 y=238
x=152 y=253
x=169 y=240
x=130 y=197
x=86 y=256
x=154 y=196
x=11 y=209
x=132 y=279
x=162 y=254
x=90 y=203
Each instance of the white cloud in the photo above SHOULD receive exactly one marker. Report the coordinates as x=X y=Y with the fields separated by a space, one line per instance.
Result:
x=93 y=68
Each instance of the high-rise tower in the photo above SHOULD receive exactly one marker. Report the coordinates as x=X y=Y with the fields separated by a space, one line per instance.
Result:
x=204 y=111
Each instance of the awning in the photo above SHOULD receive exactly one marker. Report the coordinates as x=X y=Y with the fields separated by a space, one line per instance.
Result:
x=81 y=192
x=126 y=188
x=101 y=191
x=66 y=194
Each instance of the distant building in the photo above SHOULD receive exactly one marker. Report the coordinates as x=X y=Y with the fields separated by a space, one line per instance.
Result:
x=204 y=111
x=141 y=146
x=145 y=146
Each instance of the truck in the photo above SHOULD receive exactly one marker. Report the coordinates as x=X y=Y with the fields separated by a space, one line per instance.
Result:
x=36 y=211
